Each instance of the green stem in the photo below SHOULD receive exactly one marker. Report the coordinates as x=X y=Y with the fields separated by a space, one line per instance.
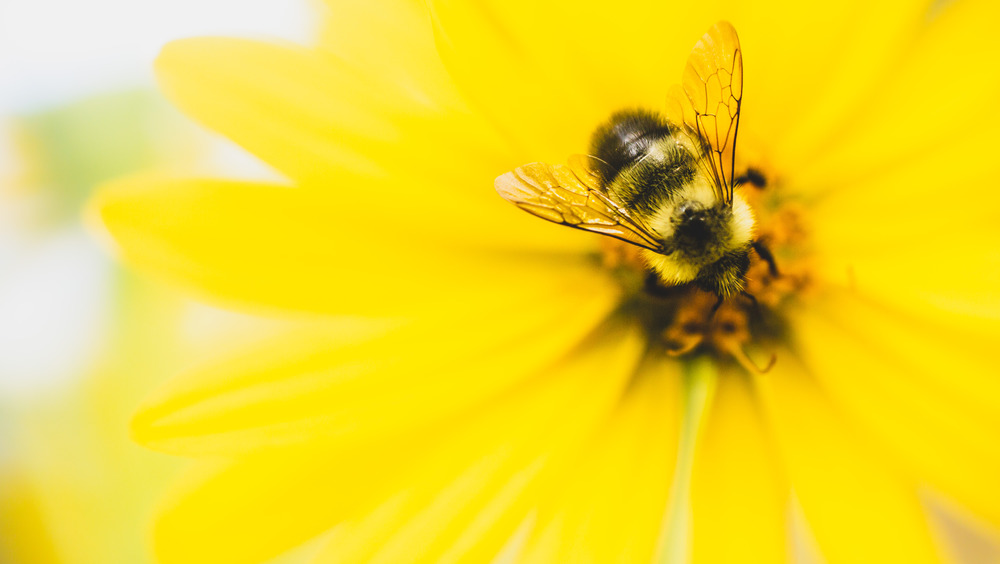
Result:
x=700 y=378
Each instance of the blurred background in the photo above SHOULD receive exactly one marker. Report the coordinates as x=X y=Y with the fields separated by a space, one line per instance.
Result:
x=81 y=339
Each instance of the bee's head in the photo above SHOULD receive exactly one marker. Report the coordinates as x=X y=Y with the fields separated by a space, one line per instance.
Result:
x=710 y=236
x=706 y=241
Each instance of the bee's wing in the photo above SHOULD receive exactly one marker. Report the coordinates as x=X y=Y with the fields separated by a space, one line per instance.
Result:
x=707 y=102
x=573 y=195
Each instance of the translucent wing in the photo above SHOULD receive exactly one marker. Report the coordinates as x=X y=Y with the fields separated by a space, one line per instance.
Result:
x=707 y=102
x=573 y=195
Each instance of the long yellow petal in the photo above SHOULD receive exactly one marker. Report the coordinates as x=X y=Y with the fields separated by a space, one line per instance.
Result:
x=547 y=73
x=518 y=450
x=925 y=279
x=293 y=248
x=481 y=505
x=957 y=366
x=845 y=52
x=903 y=237
x=312 y=115
x=920 y=237
x=915 y=395
x=393 y=40
x=259 y=506
x=264 y=504
x=941 y=90
x=356 y=384
x=611 y=507
x=803 y=62
x=860 y=507
x=739 y=499
x=923 y=204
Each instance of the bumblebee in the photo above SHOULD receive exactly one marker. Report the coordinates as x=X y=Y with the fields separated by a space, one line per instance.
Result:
x=661 y=182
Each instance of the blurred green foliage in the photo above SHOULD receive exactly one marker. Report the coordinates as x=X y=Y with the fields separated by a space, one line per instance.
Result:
x=71 y=149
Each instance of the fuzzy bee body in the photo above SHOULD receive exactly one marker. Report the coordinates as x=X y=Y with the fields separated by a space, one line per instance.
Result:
x=639 y=161
x=656 y=175
x=661 y=183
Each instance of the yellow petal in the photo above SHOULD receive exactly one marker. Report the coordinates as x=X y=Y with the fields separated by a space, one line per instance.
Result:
x=930 y=279
x=392 y=40
x=355 y=383
x=829 y=61
x=611 y=501
x=738 y=497
x=517 y=450
x=23 y=520
x=920 y=237
x=263 y=505
x=299 y=249
x=954 y=365
x=312 y=115
x=424 y=523
x=794 y=52
x=547 y=74
x=859 y=507
x=931 y=203
x=943 y=89
x=915 y=395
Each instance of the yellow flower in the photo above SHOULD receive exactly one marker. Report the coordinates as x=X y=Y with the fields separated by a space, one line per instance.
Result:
x=514 y=402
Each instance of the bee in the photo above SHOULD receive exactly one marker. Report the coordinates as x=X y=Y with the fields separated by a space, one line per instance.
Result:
x=662 y=183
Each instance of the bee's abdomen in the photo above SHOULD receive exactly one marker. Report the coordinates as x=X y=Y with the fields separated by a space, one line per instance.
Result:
x=625 y=138
x=642 y=165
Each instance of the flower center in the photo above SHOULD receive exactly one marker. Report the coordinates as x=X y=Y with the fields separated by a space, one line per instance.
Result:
x=686 y=319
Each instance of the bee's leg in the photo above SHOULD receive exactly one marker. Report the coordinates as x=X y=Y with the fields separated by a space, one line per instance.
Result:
x=652 y=282
x=752 y=176
x=753 y=300
x=765 y=254
x=654 y=287
x=718 y=304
